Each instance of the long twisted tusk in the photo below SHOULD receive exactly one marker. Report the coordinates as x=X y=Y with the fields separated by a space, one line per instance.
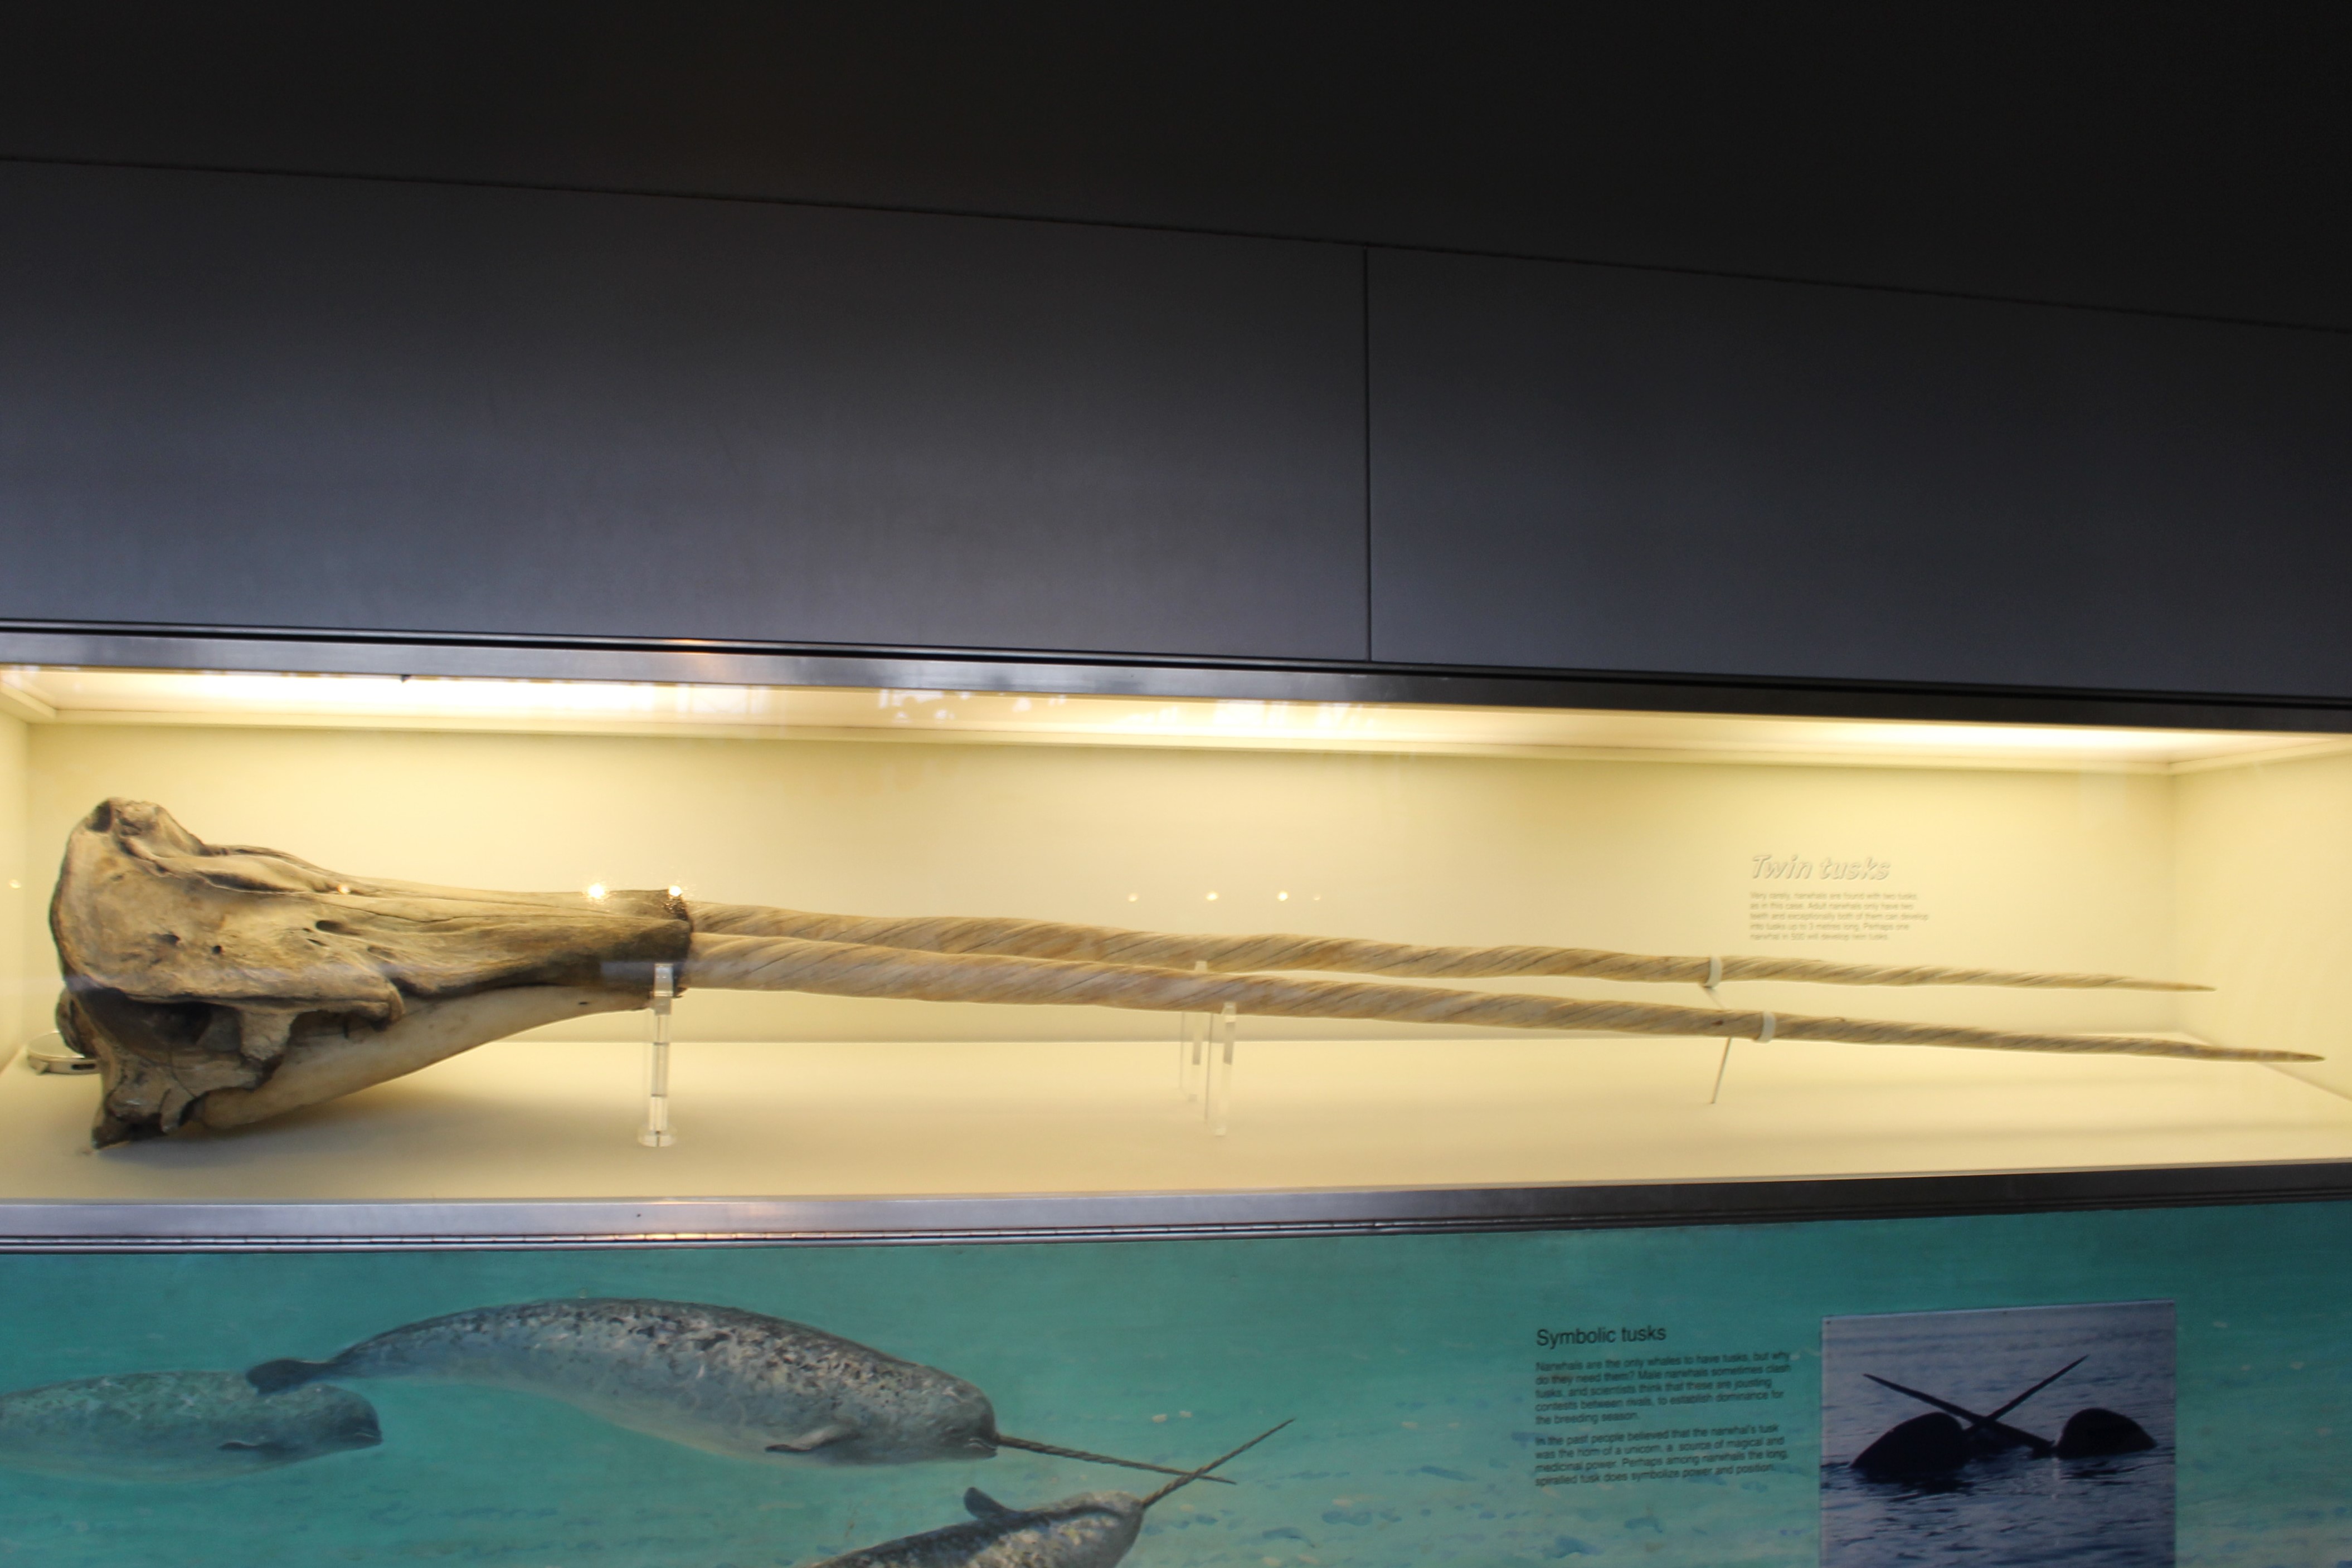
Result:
x=858 y=969
x=1113 y=944
x=219 y=985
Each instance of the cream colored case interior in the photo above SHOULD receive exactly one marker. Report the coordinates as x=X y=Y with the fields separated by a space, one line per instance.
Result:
x=2220 y=857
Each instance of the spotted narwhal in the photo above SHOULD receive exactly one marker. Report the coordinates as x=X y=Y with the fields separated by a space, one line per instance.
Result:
x=1094 y=1529
x=715 y=1378
x=176 y=1427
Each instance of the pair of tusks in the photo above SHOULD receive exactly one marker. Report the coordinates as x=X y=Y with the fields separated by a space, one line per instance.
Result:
x=223 y=984
x=751 y=947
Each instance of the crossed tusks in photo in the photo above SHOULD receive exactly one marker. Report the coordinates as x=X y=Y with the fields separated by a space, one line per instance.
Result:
x=219 y=986
x=1940 y=1443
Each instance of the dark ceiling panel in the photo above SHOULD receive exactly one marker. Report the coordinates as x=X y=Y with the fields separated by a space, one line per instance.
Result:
x=2168 y=155
x=263 y=401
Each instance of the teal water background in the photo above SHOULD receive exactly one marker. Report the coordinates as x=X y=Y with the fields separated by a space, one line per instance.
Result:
x=1408 y=1363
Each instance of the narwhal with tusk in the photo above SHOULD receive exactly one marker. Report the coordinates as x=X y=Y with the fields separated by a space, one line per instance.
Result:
x=1938 y=1443
x=1096 y=1529
x=219 y=986
x=715 y=1378
x=1988 y=1433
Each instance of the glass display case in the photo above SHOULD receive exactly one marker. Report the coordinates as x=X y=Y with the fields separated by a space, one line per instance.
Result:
x=825 y=941
x=527 y=1105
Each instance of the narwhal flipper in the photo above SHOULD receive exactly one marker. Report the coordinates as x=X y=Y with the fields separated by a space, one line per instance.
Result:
x=1025 y=1446
x=810 y=1442
x=979 y=1505
x=2041 y=1446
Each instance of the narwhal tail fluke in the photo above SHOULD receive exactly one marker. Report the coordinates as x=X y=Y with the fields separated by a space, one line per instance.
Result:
x=1203 y=1473
x=277 y=1376
x=1025 y=1446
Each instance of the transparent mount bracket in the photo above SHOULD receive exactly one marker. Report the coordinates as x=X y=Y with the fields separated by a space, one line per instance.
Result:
x=1715 y=979
x=1192 y=1046
x=656 y=1134
x=1218 y=1103
x=1204 y=1060
x=50 y=1053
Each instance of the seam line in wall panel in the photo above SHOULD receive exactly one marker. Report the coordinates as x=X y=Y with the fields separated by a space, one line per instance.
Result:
x=1141 y=225
x=1364 y=298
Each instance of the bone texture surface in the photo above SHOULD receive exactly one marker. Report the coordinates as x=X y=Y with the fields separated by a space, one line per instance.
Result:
x=223 y=984
x=200 y=974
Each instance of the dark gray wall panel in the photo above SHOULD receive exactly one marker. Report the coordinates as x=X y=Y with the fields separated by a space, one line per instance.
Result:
x=274 y=402
x=1587 y=469
x=2169 y=156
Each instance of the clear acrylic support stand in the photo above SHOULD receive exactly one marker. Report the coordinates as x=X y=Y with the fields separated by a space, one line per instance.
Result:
x=1715 y=979
x=1220 y=1097
x=1191 y=1045
x=1187 y=1055
x=49 y=1053
x=656 y=1134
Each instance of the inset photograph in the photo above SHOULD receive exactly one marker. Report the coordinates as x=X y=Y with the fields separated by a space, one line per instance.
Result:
x=2016 y=1436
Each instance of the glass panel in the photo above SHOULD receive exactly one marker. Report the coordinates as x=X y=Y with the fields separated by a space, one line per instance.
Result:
x=2059 y=890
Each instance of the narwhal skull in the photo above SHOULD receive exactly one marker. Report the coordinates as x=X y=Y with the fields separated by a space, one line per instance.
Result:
x=219 y=984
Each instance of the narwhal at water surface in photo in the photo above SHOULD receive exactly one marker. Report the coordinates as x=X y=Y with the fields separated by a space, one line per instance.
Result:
x=2013 y=1436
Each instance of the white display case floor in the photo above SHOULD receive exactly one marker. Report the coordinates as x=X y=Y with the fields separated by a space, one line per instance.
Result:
x=538 y=1119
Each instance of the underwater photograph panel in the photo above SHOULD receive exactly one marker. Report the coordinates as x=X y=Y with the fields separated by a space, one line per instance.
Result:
x=1700 y=1396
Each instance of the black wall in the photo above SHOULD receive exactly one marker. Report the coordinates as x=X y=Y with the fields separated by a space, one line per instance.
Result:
x=571 y=323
